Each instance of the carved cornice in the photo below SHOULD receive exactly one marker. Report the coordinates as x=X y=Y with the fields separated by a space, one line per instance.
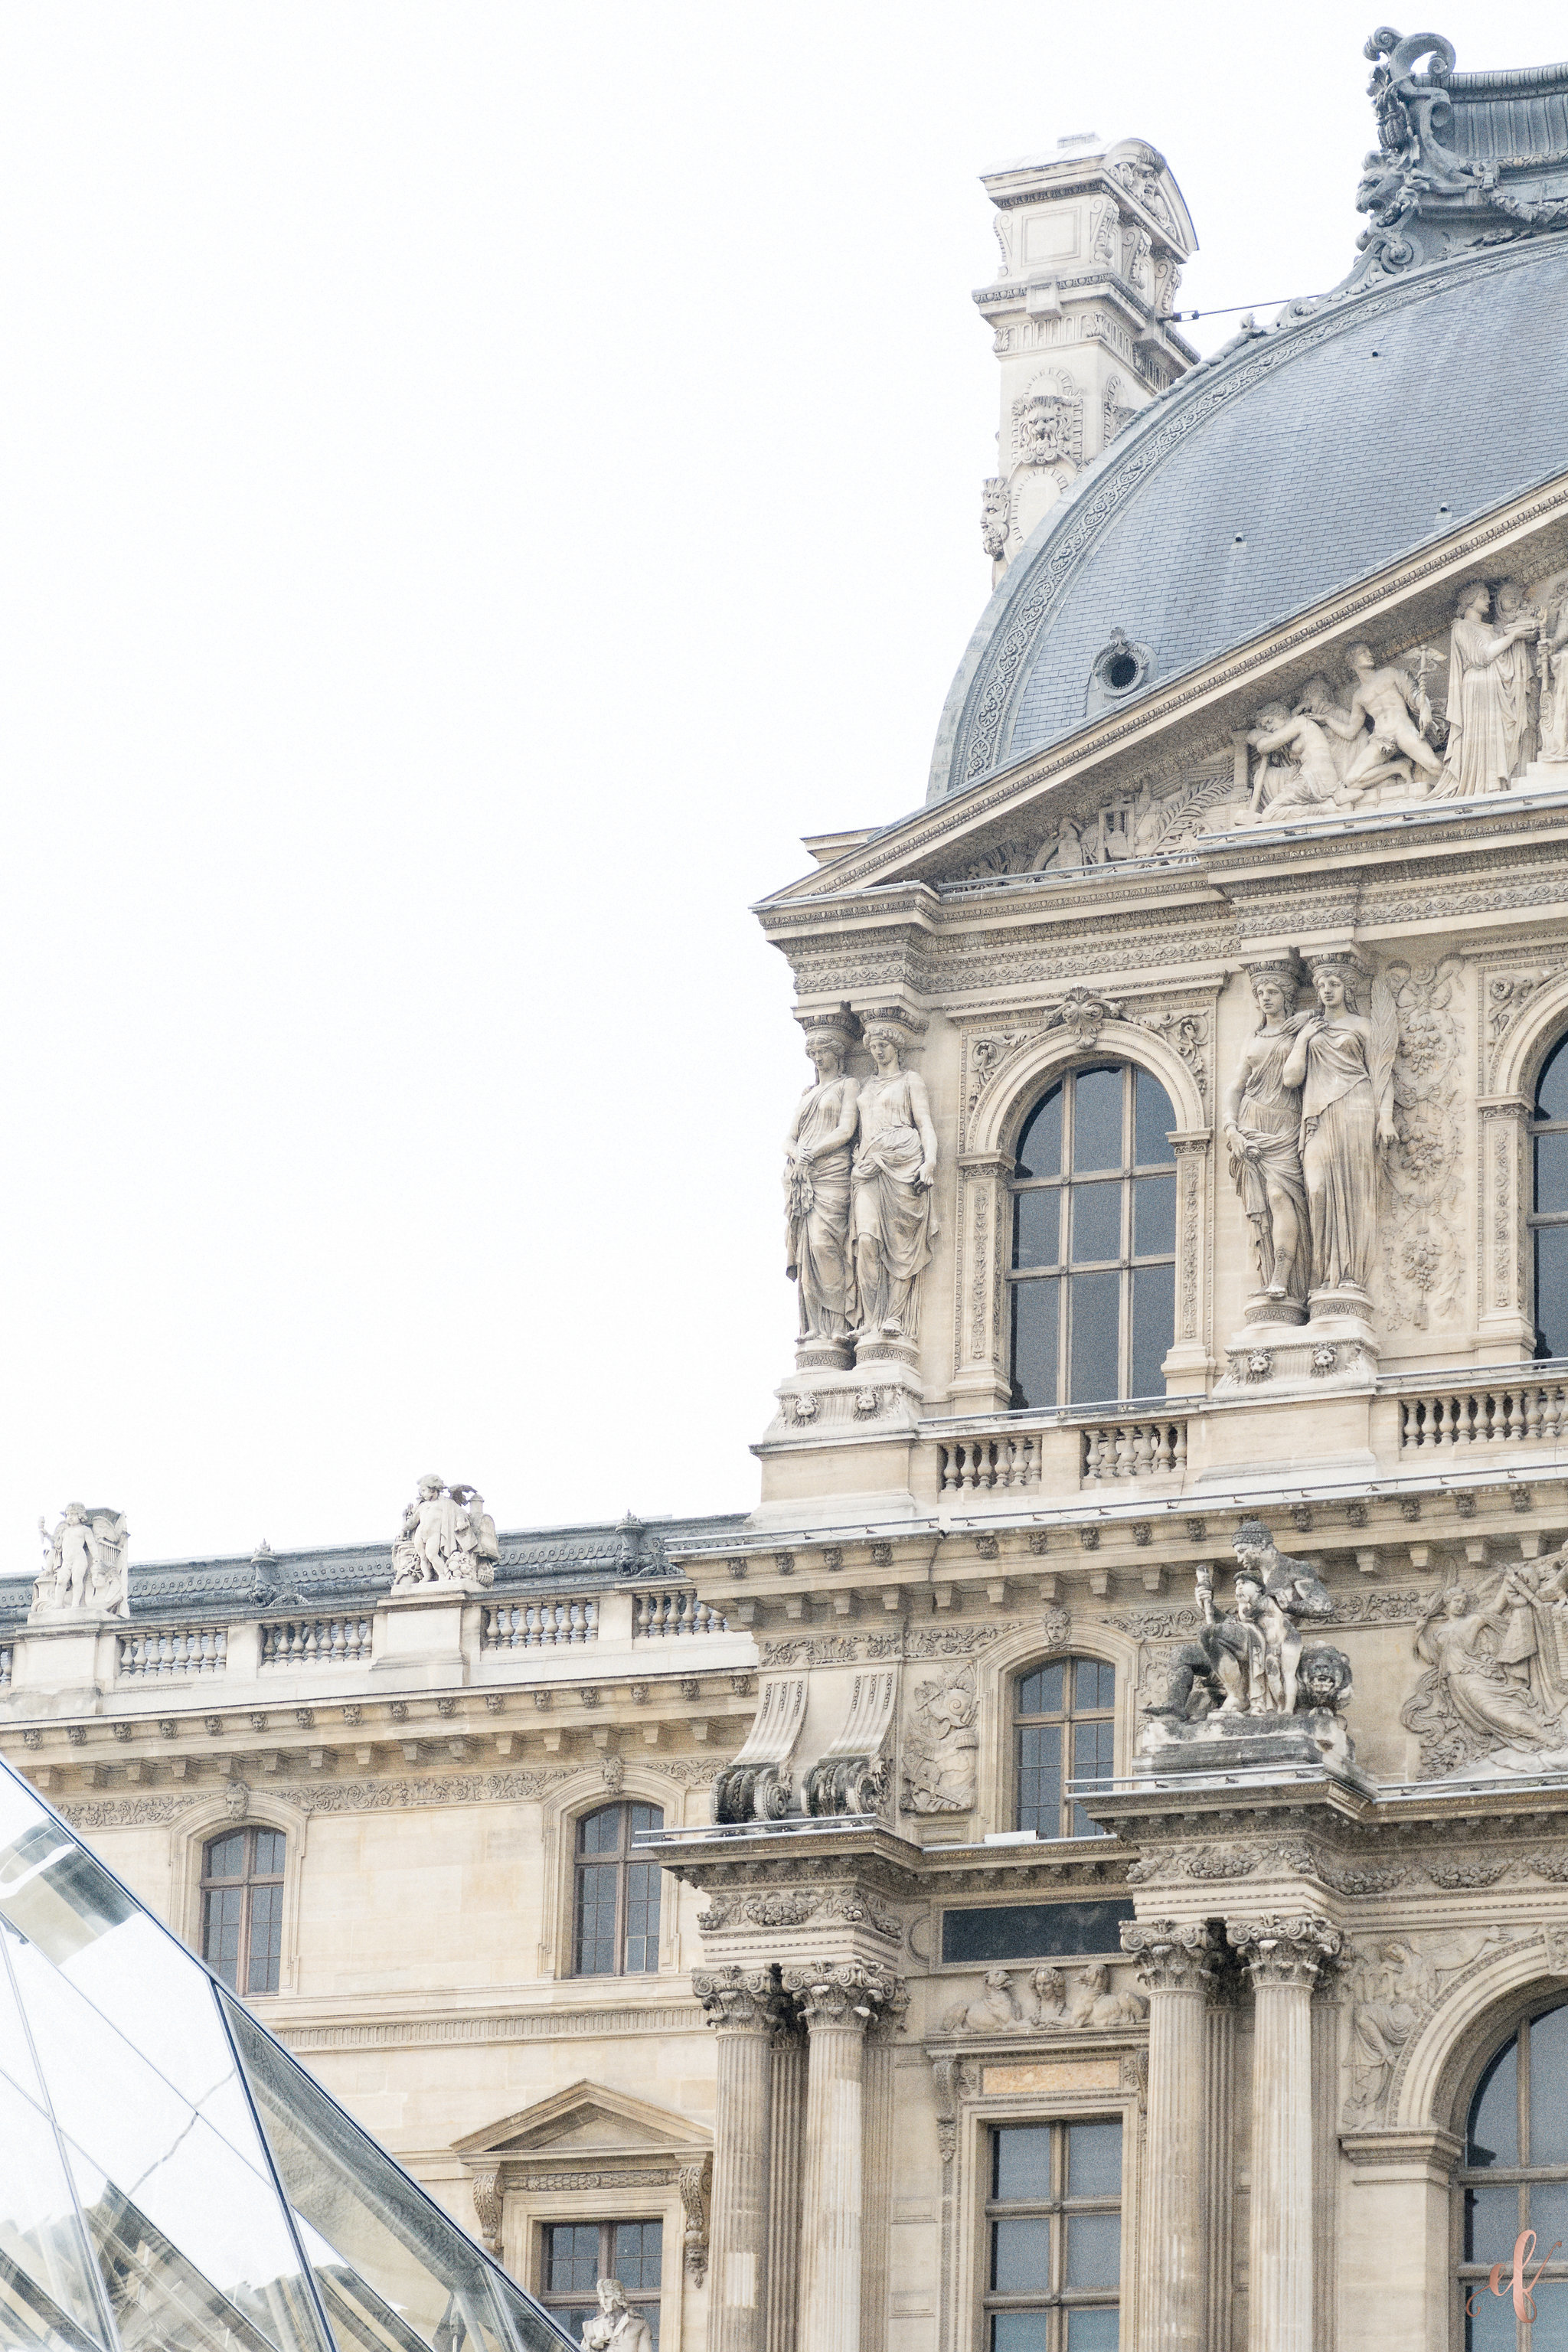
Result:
x=1172 y=1956
x=1293 y=1950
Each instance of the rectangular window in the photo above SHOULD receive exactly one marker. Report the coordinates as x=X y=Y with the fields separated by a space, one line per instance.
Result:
x=578 y=2254
x=1033 y=1931
x=1053 y=2217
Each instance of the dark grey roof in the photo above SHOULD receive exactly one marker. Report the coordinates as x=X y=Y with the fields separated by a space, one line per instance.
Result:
x=1291 y=466
x=353 y=1576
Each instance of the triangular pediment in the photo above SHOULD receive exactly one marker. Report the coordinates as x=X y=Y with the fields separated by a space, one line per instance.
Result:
x=1167 y=771
x=588 y=2119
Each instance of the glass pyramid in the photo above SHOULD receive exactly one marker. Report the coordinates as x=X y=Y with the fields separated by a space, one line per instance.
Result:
x=171 y=2179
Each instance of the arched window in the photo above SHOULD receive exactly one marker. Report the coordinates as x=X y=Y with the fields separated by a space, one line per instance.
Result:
x=1549 y=1206
x=242 y=1908
x=1514 y=2177
x=1094 y=1240
x=1063 y=1730
x=615 y=1912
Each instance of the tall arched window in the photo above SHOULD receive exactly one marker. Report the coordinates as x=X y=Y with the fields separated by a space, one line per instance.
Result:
x=1094 y=1240
x=1064 y=1724
x=242 y=1908
x=616 y=1919
x=1549 y=1206
x=1514 y=2177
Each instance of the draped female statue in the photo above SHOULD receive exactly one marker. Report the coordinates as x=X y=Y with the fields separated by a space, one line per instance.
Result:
x=1488 y=695
x=816 y=1191
x=1458 y=1640
x=1262 y=1117
x=1343 y=1064
x=894 y=1165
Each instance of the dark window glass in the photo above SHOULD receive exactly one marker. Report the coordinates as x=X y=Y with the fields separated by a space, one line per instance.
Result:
x=1066 y=1710
x=616 y=1908
x=242 y=1908
x=1549 y=1206
x=1031 y=1931
x=1040 y=1150
x=1093 y=1272
x=1514 y=2178
x=578 y=2254
x=1055 y=2220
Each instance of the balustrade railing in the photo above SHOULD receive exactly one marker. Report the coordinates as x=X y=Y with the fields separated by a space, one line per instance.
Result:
x=1491 y=1413
x=658 y=1613
x=977 y=1465
x=1132 y=1449
x=316 y=1641
x=538 y=1624
x=168 y=1650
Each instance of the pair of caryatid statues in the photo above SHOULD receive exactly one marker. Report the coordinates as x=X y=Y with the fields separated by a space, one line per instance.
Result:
x=860 y=1161
x=1308 y=1119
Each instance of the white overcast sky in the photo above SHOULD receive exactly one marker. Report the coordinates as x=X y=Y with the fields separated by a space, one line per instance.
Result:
x=478 y=482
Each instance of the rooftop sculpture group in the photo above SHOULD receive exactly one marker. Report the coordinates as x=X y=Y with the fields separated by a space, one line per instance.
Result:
x=85 y=1565
x=1247 y=1690
x=447 y=1538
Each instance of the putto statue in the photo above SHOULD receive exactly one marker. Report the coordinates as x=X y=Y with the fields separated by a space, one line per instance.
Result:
x=816 y=1197
x=448 y=1538
x=85 y=1565
x=1247 y=1685
x=616 y=2327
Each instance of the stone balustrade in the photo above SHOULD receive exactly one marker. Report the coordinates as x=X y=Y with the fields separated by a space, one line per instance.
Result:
x=300 y=1641
x=1531 y=1408
x=674 y=1612
x=1140 y=1448
x=167 y=1650
x=538 y=1624
x=980 y=1464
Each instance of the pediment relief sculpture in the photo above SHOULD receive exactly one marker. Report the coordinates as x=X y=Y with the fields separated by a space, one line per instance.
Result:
x=1494 y=1697
x=1394 y=1989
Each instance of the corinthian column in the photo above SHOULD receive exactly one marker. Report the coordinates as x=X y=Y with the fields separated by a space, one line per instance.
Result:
x=745 y=2007
x=837 y=2001
x=1175 y=1962
x=1283 y=1957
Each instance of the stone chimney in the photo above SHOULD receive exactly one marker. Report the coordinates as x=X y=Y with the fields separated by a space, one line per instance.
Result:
x=1093 y=238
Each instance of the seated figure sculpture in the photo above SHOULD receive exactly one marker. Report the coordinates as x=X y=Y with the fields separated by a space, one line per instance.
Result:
x=1247 y=1675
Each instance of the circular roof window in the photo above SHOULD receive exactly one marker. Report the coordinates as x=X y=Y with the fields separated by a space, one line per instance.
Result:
x=1118 y=672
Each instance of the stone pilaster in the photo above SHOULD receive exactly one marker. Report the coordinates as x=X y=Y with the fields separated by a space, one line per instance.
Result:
x=1283 y=1957
x=1502 y=1174
x=1176 y=1964
x=837 y=2001
x=746 y=2008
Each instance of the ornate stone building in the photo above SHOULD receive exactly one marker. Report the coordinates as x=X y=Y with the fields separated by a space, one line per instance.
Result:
x=1085 y=1861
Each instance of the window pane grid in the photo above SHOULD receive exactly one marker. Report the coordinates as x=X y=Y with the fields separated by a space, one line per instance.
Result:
x=1514 y=2177
x=242 y=1909
x=578 y=2254
x=1093 y=1270
x=1054 y=2226
x=615 y=1904
x=1062 y=1712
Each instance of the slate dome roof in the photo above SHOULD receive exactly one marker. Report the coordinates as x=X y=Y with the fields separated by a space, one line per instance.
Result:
x=1271 y=476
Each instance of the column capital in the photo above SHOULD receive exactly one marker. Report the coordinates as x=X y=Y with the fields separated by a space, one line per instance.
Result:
x=1293 y=1950
x=741 y=2000
x=1172 y=1955
x=844 y=1994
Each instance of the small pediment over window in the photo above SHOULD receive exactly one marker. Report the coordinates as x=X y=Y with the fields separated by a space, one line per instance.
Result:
x=587 y=2120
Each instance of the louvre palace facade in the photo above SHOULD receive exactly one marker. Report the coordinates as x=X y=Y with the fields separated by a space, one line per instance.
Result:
x=1084 y=1862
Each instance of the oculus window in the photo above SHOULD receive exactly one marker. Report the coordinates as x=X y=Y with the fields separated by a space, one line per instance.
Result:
x=1514 y=2177
x=1093 y=1277
x=1548 y=1204
x=1064 y=1723
x=615 y=1913
x=1054 y=2219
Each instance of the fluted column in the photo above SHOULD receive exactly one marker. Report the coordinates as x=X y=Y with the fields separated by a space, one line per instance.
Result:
x=837 y=2001
x=745 y=2007
x=1175 y=1962
x=788 y=2145
x=1283 y=1957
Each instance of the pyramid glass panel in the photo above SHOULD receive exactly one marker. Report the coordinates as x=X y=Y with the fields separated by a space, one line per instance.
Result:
x=170 y=2178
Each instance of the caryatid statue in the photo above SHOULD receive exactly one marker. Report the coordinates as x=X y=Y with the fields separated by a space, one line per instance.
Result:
x=1262 y=1122
x=817 y=1253
x=1343 y=1062
x=890 y=1179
